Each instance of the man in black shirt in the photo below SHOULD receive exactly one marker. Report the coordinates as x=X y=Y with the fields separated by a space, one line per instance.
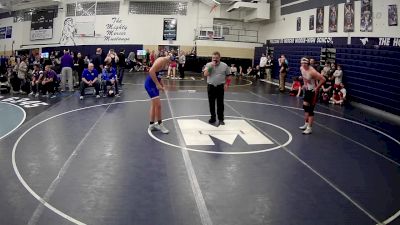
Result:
x=282 y=73
x=121 y=66
x=315 y=65
x=97 y=60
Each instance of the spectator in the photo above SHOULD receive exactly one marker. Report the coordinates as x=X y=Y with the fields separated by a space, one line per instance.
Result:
x=37 y=76
x=283 y=59
x=327 y=88
x=109 y=79
x=339 y=94
x=131 y=61
x=333 y=67
x=233 y=70
x=56 y=65
x=256 y=72
x=113 y=58
x=78 y=68
x=296 y=89
x=121 y=65
x=315 y=65
x=52 y=55
x=3 y=64
x=268 y=67
x=249 y=71
x=326 y=69
x=153 y=57
x=23 y=74
x=67 y=63
x=240 y=71
x=48 y=82
x=172 y=69
x=263 y=63
x=97 y=60
x=147 y=57
x=90 y=79
x=338 y=74
x=86 y=61
x=182 y=61
x=282 y=73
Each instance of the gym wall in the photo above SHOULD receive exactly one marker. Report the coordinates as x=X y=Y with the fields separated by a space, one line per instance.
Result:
x=141 y=29
x=284 y=26
x=370 y=60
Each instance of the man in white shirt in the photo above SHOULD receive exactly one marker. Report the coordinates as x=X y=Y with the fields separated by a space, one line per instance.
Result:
x=263 y=63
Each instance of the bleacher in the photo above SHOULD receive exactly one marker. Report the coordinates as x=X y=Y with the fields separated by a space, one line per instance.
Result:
x=371 y=75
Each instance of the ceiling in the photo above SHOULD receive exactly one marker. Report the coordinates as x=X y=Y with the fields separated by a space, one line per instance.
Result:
x=12 y=5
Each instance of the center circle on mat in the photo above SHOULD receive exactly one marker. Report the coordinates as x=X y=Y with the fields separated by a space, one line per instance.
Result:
x=275 y=147
x=75 y=221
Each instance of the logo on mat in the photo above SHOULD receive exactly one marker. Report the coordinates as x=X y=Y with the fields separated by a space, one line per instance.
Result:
x=197 y=132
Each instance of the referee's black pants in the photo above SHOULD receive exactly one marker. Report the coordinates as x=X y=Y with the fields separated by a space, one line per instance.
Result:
x=181 y=70
x=216 y=93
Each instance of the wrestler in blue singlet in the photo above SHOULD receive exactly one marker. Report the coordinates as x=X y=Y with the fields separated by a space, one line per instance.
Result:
x=151 y=87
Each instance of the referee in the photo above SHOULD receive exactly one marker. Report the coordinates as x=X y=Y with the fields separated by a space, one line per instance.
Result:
x=218 y=80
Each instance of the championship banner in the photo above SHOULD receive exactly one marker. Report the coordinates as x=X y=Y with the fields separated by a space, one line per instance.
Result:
x=320 y=20
x=366 y=16
x=42 y=24
x=333 y=18
x=349 y=17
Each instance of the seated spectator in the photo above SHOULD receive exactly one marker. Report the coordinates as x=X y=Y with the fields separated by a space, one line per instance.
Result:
x=326 y=90
x=249 y=71
x=339 y=94
x=37 y=76
x=90 y=79
x=256 y=72
x=109 y=79
x=296 y=89
x=48 y=82
x=338 y=74
x=234 y=71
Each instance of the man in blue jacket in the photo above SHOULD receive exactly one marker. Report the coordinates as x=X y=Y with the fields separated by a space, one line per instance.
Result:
x=109 y=79
x=90 y=79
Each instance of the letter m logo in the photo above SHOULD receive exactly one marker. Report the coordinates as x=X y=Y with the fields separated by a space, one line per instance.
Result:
x=197 y=132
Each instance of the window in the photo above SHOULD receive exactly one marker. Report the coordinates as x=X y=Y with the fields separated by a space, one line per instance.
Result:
x=26 y=14
x=107 y=8
x=158 y=8
x=91 y=8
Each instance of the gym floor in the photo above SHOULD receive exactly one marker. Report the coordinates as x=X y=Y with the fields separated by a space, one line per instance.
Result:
x=95 y=162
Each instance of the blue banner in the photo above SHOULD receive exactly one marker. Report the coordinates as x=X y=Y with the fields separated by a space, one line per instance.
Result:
x=376 y=41
x=310 y=40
